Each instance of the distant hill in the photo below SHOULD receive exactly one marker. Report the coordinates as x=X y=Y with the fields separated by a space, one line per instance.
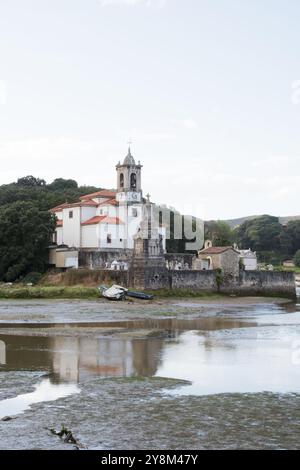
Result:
x=236 y=222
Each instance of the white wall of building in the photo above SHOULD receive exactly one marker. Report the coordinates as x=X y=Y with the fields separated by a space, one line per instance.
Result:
x=59 y=235
x=116 y=232
x=87 y=213
x=90 y=236
x=71 y=227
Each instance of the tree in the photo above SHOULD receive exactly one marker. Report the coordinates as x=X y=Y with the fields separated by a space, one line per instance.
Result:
x=260 y=234
x=25 y=233
x=31 y=181
x=60 y=184
x=297 y=259
x=292 y=231
x=219 y=232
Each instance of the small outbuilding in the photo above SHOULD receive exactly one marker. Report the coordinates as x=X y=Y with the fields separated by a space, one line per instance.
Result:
x=220 y=257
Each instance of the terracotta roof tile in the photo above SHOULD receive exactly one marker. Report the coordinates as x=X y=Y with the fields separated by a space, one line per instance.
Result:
x=216 y=250
x=94 y=220
x=104 y=193
x=66 y=205
x=103 y=219
x=110 y=202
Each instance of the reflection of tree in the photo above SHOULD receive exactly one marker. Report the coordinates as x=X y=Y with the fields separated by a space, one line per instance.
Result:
x=2 y=352
x=27 y=352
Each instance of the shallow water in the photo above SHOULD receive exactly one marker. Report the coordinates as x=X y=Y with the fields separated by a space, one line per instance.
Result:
x=219 y=349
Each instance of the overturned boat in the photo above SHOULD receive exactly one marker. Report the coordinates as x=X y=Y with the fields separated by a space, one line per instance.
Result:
x=113 y=293
x=120 y=293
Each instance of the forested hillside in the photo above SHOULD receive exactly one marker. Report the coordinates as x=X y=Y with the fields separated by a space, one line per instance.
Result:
x=26 y=224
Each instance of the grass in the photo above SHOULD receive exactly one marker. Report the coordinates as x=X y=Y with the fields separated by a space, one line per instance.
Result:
x=40 y=292
x=184 y=293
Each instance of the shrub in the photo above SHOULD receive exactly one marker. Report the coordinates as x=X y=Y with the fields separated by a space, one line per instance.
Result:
x=32 y=278
x=297 y=259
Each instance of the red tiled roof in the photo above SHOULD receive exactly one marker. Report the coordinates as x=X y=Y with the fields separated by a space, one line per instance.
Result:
x=59 y=223
x=66 y=205
x=111 y=202
x=104 y=193
x=216 y=250
x=103 y=219
x=113 y=221
x=94 y=220
x=60 y=207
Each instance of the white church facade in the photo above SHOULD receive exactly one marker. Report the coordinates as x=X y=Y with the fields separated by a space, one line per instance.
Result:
x=102 y=221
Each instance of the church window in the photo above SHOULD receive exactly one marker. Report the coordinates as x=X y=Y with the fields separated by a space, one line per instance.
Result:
x=121 y=180
x=133 y=181
x=70 y=214
x=134 y=212
x=108 y=238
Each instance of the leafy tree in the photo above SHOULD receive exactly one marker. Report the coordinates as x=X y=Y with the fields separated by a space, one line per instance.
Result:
x=219 y=232
x=292 y=232
x=60 y=184
x=31 y=181
x=25 y=233
x=297 y=259
x=260 y=234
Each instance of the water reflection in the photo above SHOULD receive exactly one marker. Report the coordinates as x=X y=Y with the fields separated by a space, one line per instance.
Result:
x=244 y=351
x=44 y=391
x=75 y=359
x=2 y=352
x=246 y=363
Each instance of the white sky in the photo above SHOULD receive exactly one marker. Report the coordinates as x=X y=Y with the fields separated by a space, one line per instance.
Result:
x=206 y=89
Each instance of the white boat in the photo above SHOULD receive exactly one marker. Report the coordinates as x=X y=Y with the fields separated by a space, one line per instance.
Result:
x=114 y=292
x=119 y=293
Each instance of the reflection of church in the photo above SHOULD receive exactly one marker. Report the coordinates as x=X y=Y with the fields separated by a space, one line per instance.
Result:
x=75 y=359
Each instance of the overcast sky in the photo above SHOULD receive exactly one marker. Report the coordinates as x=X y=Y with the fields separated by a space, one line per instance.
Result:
x=207 y=90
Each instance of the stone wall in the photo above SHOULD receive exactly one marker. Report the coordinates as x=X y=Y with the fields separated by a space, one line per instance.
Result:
x=93 y=259
x=267 y=283
x=194 y=280
x=262 y=283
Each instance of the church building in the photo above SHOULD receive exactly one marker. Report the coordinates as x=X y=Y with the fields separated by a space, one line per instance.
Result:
x=106 y=221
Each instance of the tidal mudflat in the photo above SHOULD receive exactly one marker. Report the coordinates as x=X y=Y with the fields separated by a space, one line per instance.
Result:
x=183 y=374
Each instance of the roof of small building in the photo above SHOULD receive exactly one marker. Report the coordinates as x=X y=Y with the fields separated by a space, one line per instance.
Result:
x=216 y=250
x=103 y=219
x=59 y=223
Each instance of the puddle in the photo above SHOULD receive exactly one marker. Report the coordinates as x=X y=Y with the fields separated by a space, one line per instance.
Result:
x=44 y=391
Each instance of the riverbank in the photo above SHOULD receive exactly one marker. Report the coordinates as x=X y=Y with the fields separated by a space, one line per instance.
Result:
x=92 y=293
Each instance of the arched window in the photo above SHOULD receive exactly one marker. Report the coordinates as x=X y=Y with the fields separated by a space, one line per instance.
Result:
x=121 y=180
x=133 y=181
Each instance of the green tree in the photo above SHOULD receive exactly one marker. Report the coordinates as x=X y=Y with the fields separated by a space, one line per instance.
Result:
x=60 y=184
x=297 y=258
x=25 y=233
x=219 y=232
x=31 y=181
x=260 y=234
x=292 y=231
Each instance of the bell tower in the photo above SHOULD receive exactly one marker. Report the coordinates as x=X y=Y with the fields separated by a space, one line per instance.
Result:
x=129 y=182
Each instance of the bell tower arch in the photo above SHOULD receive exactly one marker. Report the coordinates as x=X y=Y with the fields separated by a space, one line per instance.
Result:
x=129 y=180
